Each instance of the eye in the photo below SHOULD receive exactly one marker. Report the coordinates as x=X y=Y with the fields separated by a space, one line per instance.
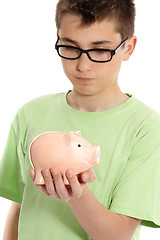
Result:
x=79 y=145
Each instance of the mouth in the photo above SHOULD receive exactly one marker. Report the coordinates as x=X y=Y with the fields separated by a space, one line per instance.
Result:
x=84 y=79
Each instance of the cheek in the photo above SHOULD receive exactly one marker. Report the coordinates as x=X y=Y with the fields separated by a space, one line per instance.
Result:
x=114 y=67
x=68 y=67
x=108 y=73
x=104 y=71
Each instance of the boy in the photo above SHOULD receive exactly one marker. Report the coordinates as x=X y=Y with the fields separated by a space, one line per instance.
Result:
x=93 y=39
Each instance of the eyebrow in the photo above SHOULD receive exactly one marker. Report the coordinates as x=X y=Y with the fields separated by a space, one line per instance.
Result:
x=93 y=43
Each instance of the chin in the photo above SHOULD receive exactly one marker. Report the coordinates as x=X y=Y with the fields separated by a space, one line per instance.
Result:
x=85 y=92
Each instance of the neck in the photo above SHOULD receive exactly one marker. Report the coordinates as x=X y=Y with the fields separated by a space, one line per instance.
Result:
x=96 y=103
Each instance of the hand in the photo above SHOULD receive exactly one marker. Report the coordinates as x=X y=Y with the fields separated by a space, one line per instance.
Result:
x=54 y=185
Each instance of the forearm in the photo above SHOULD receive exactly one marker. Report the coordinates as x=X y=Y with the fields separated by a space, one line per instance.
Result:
x=99 y=222
x=11 y=226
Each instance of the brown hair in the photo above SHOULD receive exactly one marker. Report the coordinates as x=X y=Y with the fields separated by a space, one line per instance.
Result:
x=122 y=11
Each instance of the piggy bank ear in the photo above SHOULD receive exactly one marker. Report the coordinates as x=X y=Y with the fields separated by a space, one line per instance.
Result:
x=78 y=133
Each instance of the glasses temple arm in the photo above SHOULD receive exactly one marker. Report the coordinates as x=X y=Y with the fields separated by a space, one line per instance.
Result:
x=122 y=43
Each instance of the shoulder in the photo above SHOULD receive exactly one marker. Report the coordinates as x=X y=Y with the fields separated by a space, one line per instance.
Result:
x=36 y=108
x=148 y=117
x=40 y=103
x=148 y=125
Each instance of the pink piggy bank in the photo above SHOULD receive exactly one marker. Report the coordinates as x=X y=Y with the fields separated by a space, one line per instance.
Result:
x=62 y=150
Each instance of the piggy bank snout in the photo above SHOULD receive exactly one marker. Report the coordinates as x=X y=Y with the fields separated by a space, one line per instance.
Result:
x=96 y=154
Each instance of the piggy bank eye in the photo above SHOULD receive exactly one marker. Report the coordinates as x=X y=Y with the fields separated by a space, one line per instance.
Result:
x=79 y=145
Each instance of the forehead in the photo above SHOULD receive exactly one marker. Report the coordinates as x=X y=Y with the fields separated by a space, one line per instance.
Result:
x=71 y=27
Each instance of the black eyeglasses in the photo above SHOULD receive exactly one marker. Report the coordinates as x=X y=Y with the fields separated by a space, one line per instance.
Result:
x=96 y=55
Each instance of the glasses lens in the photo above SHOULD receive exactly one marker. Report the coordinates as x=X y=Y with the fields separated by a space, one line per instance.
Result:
x=100 y=55
x=69 y=52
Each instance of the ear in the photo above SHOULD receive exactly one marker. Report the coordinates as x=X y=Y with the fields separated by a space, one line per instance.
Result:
x=129 y=47
x=78 y=133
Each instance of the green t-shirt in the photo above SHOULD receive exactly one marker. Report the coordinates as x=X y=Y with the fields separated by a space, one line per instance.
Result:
x=128 y=175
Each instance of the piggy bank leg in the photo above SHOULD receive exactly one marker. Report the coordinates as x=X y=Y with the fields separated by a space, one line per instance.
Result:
x=39 y=178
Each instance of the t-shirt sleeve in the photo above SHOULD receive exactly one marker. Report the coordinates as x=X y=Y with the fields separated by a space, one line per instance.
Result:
x=137 y=193
x=11 y=167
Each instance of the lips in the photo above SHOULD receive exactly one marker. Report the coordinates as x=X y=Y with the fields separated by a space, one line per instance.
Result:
x=84 y=79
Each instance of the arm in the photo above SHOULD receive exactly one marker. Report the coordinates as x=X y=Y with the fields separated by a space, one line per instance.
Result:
x=11 y=226
x=98 y=221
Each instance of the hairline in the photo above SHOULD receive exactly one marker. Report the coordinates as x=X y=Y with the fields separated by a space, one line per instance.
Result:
x=109 y=17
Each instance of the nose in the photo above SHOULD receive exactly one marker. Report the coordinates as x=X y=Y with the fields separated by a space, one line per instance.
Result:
x=84 y=64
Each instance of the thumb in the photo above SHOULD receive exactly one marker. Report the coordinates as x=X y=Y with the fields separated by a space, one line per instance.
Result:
x=88 y=176
x=32 y=174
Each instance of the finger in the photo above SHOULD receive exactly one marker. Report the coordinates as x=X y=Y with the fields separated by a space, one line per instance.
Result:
x=59 y=185
x=50 y=188
x=88 y=176
x=42 y=188
x=74 y=184
x=32 y=175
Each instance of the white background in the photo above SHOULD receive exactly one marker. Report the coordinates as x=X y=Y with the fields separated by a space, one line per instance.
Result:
x=29 y=66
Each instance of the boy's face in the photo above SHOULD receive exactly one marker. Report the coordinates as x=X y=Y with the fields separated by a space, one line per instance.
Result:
x=87 y=77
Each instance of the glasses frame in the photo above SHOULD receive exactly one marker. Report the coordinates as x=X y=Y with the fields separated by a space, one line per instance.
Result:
x=113 y=52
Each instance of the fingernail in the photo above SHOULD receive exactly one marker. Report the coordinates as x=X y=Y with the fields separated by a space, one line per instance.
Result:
x=86 y=176
x=69 y=174
x=55 y=172
x=46 y=173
